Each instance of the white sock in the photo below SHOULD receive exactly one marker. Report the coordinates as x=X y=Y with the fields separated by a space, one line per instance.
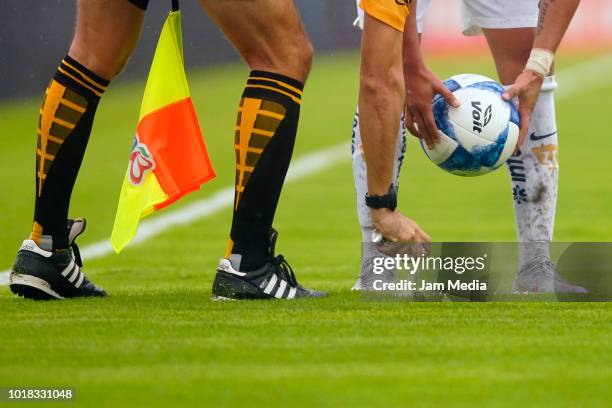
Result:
x=360 y=174
x=535 y=173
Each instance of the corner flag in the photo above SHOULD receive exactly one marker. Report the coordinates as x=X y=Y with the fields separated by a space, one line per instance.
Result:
x=168 y=158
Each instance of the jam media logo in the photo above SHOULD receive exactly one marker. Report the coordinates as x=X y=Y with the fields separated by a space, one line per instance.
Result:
x=478 y=121
x=141 y=162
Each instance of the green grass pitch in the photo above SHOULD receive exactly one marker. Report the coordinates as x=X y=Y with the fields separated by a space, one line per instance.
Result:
x=159 y=340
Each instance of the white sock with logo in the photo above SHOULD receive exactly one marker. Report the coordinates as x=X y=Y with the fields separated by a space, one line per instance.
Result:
x=535 y=173
x=360 y=177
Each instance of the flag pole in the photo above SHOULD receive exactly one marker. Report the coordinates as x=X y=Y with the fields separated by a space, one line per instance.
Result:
x=175 y=5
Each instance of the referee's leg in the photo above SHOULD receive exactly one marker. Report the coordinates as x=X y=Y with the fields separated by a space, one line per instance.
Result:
x=105 y=35
x=270 y=37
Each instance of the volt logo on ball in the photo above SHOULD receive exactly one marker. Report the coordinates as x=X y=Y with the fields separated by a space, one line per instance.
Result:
x=477 y=115
x=478 y=136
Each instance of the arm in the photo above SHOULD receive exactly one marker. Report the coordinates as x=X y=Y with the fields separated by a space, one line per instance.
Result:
x=555 y=18
x=381 y=99
x=421 y=85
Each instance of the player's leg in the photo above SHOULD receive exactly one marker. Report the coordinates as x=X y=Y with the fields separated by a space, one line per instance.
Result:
x=534 y=170
x=105 y=35
x=270 y=37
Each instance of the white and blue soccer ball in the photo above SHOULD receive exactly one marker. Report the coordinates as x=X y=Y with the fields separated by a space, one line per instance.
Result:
x=481 y=134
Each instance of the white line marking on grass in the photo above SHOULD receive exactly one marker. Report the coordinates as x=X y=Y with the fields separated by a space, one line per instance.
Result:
x=301 y=168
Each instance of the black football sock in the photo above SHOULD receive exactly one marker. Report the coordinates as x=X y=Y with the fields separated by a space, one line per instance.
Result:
x=265 y=134
x=64 y=125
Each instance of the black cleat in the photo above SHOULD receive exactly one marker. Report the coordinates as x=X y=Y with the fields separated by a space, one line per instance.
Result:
x=41 y=275
x=274 y=280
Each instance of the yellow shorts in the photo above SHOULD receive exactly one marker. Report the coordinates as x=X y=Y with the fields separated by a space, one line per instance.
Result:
x=391 y=12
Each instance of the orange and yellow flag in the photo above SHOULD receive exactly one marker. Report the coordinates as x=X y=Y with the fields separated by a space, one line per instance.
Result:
x=168 y=158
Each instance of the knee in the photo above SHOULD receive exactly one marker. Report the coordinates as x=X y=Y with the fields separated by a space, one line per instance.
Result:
x=305 y=58
x=292 y=58
x=105 y=63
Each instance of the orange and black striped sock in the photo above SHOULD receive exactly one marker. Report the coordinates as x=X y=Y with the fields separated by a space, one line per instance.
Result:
x=265 y=134
x=64 y=125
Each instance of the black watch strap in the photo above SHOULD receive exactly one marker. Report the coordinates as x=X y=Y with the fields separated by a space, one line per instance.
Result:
x=388 y=200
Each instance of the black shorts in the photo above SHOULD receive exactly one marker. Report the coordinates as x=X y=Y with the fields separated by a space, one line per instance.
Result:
x=140 y=3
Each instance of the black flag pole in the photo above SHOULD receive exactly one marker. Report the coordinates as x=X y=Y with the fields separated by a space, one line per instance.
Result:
x=175 y=5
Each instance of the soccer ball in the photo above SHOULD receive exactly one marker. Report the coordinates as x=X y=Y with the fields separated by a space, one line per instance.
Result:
x=481 y=134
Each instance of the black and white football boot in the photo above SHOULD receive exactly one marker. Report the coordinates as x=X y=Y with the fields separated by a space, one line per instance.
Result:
x=274 y=280
x=42 y=275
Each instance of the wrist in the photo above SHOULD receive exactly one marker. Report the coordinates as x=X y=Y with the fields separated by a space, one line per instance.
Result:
x=540 y=62
x=533 y=75
x=412 y=61
x=379 y=214
x=382 y=201
x=414 y=68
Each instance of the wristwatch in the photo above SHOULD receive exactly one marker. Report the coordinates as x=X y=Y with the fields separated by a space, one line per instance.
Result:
x=388 y=200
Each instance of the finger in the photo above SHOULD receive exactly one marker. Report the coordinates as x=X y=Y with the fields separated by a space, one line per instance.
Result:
x=525 y=121
x=431 y=126
x=510 y=93
x=425 y=238
x=425 y=131
x=448 y=96
x=406 y=234
x=388 y=235
x=409 y=122
x=421 y=236
x=421 y=129
x=406 y=237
